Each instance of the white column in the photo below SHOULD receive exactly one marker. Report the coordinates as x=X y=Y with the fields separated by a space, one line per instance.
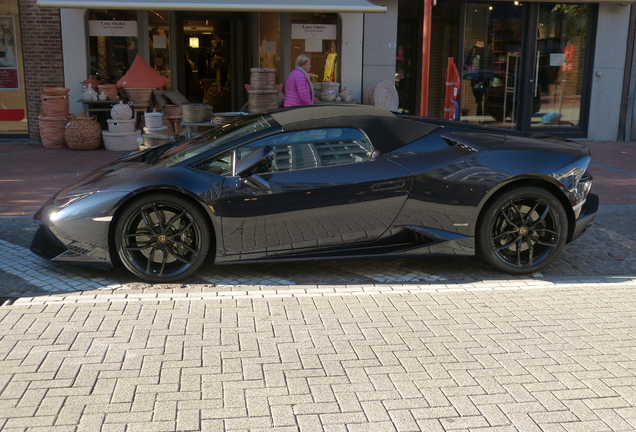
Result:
x=75 y=54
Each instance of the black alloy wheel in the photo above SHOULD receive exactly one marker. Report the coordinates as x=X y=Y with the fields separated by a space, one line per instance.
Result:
x=162 y=238
x=522 y=231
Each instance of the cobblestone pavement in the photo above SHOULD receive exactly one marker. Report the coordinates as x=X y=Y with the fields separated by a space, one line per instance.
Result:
x=440 y=344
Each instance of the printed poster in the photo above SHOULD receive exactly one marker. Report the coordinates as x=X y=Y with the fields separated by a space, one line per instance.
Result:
x=9 y=76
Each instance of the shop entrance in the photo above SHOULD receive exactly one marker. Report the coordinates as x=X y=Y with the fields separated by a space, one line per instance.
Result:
x=212 y=66
x=524 y=66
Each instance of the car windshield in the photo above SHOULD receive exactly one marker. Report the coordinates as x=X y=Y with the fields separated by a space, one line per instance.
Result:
x=214 y=138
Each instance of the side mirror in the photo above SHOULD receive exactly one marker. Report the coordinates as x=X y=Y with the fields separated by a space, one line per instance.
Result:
x=255 y=160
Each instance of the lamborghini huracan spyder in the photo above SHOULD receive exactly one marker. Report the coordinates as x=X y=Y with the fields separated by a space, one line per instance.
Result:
x=325 y=182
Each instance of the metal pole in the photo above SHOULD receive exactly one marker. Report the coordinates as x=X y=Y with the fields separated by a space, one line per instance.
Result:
x=629 y=55
x=426 y=55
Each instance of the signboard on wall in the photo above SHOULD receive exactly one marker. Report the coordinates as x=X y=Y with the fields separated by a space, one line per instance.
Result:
x=9 y=75
x=112 y=28
x=314 y=31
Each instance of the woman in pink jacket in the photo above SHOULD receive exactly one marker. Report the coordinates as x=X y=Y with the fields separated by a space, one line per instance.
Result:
x=298 y=88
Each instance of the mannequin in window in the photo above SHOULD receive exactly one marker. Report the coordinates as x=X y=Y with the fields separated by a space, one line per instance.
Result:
x=478 y=63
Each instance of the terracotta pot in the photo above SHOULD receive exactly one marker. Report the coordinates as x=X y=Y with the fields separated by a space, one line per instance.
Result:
x=52 y=130
x=55 y=106
x=83 y=133
x=140 y=97
x=110 y=90
x=55 y=91
x=91 y=80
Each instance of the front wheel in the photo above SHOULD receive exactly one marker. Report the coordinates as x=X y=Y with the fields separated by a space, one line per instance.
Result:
x=522 y=231
x=162 y=238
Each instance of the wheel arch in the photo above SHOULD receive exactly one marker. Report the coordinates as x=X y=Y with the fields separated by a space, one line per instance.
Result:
x=166 y=190
x=547 y=183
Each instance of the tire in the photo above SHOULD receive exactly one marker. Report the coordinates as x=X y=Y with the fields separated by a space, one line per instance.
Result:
x=162 y=238
x=522 y=231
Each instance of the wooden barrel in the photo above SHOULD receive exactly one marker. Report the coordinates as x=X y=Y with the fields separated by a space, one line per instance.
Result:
x=263 y=79
x=261 y=101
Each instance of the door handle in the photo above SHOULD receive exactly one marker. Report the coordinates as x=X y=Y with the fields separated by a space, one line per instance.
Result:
x=536 y=73
x=395 y=184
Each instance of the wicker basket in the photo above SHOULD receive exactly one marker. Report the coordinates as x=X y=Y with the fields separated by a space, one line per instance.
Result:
x=140 y=97
x=52 y=130
x=194 y=112
x=83 y=133
x=161 y=130
x=55 y=106
x=382 y=94
x=55 y=91
x=261 y=101
x=121 y=111
x=172 y=111
x=152 y=140
x=153 y=119
x=263 y=79
x=329 y=90
x=121 y=126
x=126 y=141
x=110 y=90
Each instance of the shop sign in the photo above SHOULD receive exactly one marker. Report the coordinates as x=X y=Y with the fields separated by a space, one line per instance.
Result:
x=112 y=28
x=9 y=77
x=557 y=59
x=314 y=31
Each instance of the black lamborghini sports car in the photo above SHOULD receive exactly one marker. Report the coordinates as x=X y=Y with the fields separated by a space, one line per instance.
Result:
x=325 y=182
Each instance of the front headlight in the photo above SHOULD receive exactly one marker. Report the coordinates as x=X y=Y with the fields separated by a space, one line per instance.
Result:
x=65 y=201
x=581 y=192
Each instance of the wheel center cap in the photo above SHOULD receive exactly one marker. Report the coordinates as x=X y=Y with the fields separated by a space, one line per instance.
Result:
x=162 y=238
x=524 y=231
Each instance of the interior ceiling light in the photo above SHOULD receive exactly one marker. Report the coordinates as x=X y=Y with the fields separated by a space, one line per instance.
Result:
x=194 y=42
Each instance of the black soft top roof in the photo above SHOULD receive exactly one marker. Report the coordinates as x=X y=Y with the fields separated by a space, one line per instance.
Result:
x=386 y=131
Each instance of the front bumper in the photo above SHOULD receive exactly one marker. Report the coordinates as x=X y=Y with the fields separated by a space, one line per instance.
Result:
x=78 y=233
x=587 y=215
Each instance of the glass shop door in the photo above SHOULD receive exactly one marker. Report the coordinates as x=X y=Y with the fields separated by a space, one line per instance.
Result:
x=492 y=63
x=212 y=67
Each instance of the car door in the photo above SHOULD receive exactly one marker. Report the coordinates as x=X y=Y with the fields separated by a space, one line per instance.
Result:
x=324 y=188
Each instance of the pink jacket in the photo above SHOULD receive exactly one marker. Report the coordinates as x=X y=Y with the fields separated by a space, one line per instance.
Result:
x=297 y=90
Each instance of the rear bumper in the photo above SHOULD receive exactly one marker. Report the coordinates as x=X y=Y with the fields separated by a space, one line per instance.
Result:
x=590 y=209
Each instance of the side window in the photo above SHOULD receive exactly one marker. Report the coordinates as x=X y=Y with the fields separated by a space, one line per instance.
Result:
x=219 y=165
x=313 y=148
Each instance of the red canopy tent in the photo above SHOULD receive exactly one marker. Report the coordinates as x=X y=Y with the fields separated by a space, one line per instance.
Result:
x=452 y=91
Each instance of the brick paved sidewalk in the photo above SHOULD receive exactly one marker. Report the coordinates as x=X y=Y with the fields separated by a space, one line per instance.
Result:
x=481 y=357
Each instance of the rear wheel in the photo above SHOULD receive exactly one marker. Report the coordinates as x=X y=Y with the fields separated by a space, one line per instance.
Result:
x=162 y=238
x=522 y=231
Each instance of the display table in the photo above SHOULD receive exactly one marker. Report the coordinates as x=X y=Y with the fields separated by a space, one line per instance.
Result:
x=192 y=129
x=105 y=106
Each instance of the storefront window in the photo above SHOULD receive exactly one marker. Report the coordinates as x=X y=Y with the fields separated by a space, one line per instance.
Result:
x=13 y=118
x=444 y=45
x=491 y=63
x=561 y=45
x=159 y=42
x=269 y=41
x=113 y=43
x=316 y=36
x=208 y=47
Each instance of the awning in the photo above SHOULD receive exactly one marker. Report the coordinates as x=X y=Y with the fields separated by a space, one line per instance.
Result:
x=359 y=6
x=577 y=1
